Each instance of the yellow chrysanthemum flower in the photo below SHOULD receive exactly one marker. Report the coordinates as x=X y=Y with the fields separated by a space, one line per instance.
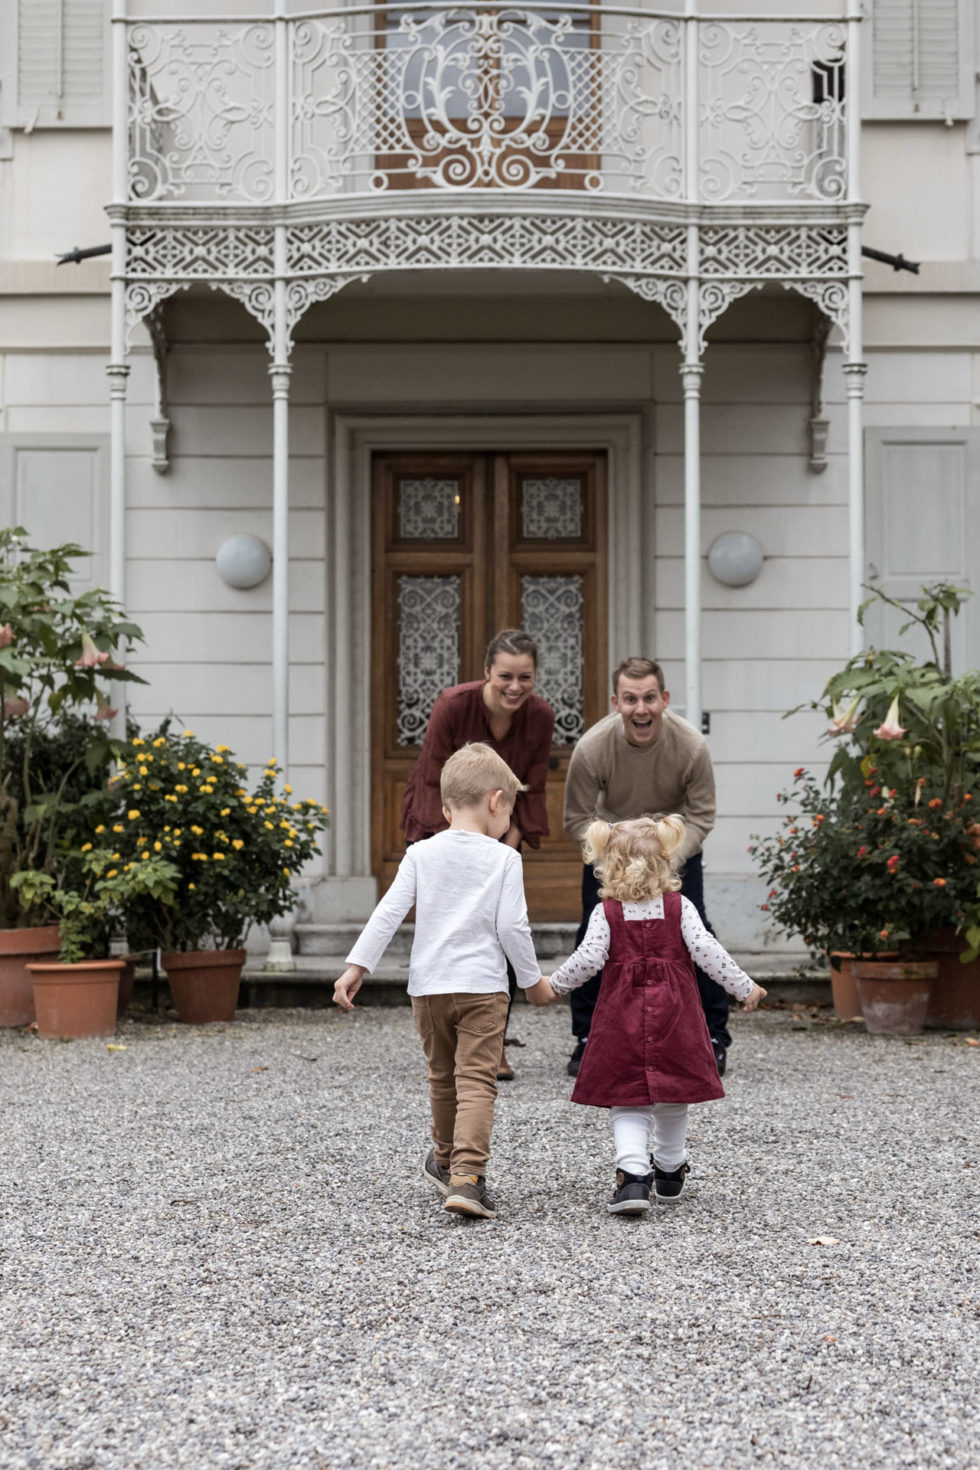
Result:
x=86 y=847
x=133 y=815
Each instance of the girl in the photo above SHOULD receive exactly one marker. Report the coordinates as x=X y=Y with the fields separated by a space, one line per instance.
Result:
x=649 y=1053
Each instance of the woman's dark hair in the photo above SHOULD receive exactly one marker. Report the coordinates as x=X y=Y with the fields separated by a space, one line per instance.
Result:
x=510 y=640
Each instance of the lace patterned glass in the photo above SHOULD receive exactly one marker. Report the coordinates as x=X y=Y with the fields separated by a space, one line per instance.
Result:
x=428 y=650
x=551 y=509
x=428 y=510
x=551 y=611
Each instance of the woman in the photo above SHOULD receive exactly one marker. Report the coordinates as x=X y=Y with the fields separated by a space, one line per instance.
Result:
x=502 y=710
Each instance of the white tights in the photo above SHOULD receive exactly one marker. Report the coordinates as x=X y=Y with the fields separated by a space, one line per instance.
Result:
x=631 y=1135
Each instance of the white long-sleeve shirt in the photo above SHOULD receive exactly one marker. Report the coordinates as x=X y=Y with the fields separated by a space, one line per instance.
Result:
x=703 y=948
x=470 y=912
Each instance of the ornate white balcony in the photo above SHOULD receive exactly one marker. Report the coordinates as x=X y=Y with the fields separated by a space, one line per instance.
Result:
x=652 y=147
x=387 y=98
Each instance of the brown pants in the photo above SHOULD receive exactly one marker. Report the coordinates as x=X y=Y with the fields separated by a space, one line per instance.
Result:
x=461 y=1036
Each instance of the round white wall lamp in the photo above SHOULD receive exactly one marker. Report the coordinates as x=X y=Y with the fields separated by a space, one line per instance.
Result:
x=735 y=558
x=243 y=561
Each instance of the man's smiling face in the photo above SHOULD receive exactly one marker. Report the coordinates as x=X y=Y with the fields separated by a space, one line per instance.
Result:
x=641 y=704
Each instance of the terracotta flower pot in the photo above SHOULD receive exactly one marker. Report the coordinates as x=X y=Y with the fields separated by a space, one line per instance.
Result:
x=954 y=1004
x=895 y=994
x=76 y=1000
x=204 y=983
x=18 y=947
x=843 y=985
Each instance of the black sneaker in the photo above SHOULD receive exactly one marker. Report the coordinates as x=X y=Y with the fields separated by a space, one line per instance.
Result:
x=668 y=1186
x=721 y=1055
x=467 y=1195
x=435 y=1173
x=632 y=1196
x=575 y=1060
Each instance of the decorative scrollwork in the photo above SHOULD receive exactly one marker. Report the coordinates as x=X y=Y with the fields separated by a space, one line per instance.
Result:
x=551 y=611
x=773 y=250
x=403 y=242
x=833 y=299
x=201 y=107
x=772 y=111
x=479 y=96
x=428 y=649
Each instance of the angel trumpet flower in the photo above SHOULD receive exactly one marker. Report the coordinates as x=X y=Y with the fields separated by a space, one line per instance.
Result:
x=15 y=705
x=890 y=729
x=844 y=721
x=6 y=636
x=103 y=711
x=91 y=657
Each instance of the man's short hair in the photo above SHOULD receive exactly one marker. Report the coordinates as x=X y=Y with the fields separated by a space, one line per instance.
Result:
x=637 y=668
x=472 y=772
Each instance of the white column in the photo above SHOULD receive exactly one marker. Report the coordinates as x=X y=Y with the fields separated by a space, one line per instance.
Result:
x=691 y=371
x=280 y=956
x=854 y=367
x=691 y=378
x=118 y=366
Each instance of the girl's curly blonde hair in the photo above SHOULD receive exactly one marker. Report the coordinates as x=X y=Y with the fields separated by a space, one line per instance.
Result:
x=632 y=859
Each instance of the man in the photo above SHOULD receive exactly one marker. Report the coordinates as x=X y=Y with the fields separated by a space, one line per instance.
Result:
x=643 y=759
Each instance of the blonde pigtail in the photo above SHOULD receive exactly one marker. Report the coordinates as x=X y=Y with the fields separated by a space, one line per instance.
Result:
x=596 y=840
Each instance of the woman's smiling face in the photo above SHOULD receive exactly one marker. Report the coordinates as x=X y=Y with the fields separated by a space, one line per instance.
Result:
x=510 y=682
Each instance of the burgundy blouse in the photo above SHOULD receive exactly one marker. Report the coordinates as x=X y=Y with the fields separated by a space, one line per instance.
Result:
x=458 y=716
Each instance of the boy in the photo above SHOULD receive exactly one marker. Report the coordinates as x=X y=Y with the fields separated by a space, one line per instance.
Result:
x=470 y=917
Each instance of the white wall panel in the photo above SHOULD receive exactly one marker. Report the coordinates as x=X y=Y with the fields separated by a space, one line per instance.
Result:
x=803 y=531
x=194 y=586
x=764 y=684
x=229 y=637
x=487 y=373
x=785 y=584
x=197 y=534
x=729 y=428
x=233 y=430
x=45 y=380
x=744 y=478
x=216 y=483
x=742 y=736
x=749 y=790
x=759 y=635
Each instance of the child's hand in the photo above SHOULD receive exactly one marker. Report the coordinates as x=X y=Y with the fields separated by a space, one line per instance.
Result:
x=347 y=987
x=540 y=994
x=753 y=998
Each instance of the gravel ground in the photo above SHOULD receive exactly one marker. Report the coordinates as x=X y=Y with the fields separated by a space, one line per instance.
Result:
x=217 y=1250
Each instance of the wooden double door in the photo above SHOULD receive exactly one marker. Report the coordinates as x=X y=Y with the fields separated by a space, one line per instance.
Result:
x=464 y=545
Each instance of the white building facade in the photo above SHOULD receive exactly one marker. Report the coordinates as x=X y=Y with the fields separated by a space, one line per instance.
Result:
x=481 y=317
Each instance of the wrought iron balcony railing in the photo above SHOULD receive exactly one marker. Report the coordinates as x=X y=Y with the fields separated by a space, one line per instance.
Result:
x=369 y=100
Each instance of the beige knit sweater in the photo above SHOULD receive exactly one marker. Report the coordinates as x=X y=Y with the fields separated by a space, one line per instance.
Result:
x=608 y=777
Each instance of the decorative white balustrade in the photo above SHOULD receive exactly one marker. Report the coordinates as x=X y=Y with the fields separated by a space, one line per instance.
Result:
x=455 y=98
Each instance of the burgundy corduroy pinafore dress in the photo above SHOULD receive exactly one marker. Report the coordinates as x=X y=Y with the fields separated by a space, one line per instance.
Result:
x=649 y=1041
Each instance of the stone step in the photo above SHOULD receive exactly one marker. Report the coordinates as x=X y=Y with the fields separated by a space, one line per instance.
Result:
x=550 y=940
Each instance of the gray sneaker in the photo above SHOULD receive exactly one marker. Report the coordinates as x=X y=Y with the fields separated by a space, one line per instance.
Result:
x=467 y=1195
x=435 y=1173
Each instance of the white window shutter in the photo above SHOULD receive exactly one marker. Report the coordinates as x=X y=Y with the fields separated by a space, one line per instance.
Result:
x=62 y=63
x=919 y=59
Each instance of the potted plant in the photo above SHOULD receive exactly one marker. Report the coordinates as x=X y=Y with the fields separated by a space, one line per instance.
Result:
x=884 y=856
x=234 y=853
x=76 y=995
x=58 y=650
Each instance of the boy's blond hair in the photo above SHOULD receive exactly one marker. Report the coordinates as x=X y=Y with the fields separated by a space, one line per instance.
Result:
x=472 y=772
x=632 y=859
